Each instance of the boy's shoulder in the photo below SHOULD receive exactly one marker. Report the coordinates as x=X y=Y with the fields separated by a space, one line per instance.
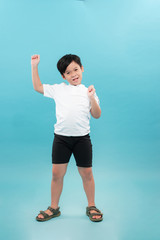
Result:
x=57 y=85
x=83 y=87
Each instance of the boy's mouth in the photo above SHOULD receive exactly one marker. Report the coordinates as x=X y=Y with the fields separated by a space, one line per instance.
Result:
x=75 y=79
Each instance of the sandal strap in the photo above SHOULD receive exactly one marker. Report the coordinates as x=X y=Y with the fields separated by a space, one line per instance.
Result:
x=54 y=211
x=44 y=214
x=95 y=214
x=99 y=213
x=93 y=208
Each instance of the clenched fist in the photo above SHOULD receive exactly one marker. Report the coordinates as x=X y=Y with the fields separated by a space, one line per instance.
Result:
x=35 y=59
x=91 y=91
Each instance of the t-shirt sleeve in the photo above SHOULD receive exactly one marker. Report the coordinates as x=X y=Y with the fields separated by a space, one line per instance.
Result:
x=49 y=90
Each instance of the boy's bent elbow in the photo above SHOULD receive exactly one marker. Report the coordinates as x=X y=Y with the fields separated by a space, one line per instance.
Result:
x=96 y=115
x=99 y=115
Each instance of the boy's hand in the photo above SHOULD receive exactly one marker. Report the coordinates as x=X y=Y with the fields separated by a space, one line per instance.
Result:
x=91 y=91
x=35 y=59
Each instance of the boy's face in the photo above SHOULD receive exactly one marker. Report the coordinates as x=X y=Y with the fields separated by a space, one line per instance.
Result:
x=73 y=74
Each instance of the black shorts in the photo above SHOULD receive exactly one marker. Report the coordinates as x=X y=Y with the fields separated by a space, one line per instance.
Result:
x=64 y=146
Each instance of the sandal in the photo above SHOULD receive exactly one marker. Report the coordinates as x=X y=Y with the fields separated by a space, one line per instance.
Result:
x=90 y=215
x=47 y=217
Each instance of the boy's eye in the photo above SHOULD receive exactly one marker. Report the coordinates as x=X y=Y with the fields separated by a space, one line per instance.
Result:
x=67 y=73
x=76 y=69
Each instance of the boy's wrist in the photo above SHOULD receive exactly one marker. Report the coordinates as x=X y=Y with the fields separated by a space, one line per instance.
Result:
x=92 y=98
x=34 y=66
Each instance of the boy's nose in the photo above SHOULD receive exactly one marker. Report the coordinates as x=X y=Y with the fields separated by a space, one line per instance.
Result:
x=73 y=75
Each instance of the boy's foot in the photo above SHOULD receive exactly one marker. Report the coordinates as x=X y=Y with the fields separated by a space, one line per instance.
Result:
x=48 y=214
x=94 y=214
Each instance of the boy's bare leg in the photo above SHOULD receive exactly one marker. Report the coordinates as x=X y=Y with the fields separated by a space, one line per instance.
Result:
x=89 y=186
x=58 y=172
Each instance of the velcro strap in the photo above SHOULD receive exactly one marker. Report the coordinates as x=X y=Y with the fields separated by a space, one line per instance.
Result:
x=93 y=208
x=44 y=214
x=54 y=211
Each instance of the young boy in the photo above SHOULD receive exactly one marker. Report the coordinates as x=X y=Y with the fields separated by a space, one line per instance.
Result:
x=74 y=103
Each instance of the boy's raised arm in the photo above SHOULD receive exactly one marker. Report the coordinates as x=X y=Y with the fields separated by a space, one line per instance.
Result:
x=35 y=59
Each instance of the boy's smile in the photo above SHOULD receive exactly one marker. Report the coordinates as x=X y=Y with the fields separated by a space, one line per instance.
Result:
x=73 y=74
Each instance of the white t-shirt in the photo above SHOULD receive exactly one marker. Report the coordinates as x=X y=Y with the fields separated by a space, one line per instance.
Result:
x=72 y=108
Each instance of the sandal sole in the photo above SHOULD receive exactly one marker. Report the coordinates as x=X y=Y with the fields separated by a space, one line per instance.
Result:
x=46 y=219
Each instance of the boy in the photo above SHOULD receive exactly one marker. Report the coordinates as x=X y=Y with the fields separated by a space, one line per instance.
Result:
x=74 y=103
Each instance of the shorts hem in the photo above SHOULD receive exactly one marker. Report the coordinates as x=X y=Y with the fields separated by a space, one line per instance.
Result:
x=88 y=166
x=59 y=162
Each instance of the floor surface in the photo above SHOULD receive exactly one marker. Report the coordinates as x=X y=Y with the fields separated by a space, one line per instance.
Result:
x=129 y=199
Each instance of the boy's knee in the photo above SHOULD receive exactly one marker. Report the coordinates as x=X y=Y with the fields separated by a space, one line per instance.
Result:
x=86 y=174
x=57 y=174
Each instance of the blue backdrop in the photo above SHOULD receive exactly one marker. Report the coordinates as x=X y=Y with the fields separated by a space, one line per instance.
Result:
x=119 y=45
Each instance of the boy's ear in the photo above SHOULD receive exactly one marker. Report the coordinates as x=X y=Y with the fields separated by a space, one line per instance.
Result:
x=82 y=68
x=63 y=76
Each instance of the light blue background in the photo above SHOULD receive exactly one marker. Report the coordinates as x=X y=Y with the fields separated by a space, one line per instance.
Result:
x=119 y=45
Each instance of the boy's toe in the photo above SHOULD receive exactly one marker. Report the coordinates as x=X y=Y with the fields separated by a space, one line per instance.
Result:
x=40 y=216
